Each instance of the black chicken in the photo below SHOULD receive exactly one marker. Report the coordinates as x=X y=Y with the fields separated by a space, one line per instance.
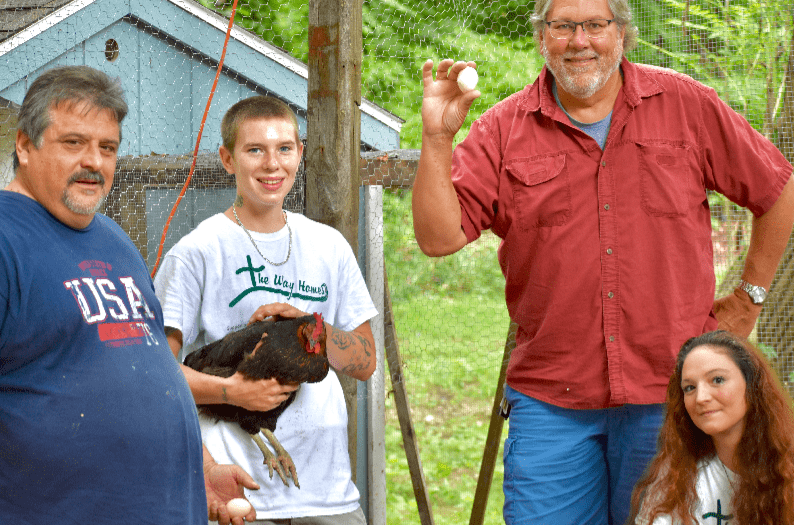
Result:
x=289 y=350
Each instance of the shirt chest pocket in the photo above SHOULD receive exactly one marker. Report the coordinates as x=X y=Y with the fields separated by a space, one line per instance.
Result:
x=541 y=191
x=668 y=179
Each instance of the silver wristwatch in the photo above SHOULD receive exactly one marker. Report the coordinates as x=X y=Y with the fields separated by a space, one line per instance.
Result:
x=757 y=293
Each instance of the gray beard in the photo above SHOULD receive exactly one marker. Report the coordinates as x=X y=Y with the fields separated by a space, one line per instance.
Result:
x=571 y=83
x=73 y=205
x=79 y=209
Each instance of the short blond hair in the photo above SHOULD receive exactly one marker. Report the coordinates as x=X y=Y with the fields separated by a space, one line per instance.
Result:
x=254 y=108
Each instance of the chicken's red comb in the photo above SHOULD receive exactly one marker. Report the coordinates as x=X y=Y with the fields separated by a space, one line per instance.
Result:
x=318 y=329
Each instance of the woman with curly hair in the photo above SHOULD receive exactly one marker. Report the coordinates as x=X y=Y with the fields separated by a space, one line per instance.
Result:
x=726 y=447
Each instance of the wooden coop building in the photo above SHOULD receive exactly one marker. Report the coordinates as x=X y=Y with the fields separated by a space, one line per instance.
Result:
x=165 y=54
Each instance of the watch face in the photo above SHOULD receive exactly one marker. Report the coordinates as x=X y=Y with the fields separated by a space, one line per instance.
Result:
x=757 y=294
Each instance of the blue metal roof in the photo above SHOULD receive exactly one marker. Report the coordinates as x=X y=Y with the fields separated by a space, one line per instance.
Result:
x=165 y=53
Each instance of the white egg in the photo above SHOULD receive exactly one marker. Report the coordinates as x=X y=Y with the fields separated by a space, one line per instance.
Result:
x=238 y=507
x=467 y=79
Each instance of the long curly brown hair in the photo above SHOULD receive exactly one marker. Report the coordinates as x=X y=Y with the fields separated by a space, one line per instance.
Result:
x=765 y=454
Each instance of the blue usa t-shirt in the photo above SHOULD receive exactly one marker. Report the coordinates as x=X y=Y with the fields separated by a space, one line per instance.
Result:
x=97 y=423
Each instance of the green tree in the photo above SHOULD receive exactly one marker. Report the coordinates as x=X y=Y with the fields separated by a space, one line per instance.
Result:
x=399 y=35
x=743 y=49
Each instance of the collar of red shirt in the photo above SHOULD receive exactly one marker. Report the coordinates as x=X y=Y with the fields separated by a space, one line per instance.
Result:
x=636 y=86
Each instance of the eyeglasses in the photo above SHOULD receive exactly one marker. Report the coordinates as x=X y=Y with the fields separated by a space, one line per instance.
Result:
x=565 y=29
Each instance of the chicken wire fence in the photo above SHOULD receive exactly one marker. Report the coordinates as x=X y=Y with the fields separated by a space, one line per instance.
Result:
x=449 y=313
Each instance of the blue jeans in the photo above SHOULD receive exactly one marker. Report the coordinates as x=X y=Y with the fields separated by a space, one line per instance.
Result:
x=577 y=467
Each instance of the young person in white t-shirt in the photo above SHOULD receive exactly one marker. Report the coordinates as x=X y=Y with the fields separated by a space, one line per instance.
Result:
x=257 y=260
x=726 y=447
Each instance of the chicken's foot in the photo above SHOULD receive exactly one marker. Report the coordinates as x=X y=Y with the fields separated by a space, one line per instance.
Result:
x=283 y=456
x=281 y=462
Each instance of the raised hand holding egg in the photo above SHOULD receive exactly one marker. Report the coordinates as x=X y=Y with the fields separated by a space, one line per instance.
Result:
x=467 y=79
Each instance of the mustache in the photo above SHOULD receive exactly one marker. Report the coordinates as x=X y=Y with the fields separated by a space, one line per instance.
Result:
x=585 y=54
x=93 y=176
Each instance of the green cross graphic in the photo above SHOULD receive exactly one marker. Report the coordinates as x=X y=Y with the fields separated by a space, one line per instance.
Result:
x=719 y=515
x=254 y=272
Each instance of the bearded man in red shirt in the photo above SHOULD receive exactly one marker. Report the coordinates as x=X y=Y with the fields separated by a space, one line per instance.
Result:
x=595 y=177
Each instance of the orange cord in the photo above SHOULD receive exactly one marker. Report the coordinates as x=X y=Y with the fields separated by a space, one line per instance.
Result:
x=198 y=141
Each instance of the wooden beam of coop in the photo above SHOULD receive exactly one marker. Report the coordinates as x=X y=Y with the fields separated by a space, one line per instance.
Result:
x=333 y=136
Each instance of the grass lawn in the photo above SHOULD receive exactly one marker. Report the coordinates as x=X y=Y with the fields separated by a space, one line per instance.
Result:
x=451 y=324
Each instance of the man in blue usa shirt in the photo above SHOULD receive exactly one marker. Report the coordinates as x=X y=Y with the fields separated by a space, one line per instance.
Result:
x=97 y=423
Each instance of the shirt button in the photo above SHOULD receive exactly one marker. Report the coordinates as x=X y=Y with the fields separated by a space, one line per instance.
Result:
x=606 y=207
x=610 y=295
x=603 y=163
x=609 y=251
x=611 y=338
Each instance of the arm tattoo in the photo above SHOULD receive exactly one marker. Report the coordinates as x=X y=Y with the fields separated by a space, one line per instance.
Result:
x=341 y=339
x=365 y=344
x=347 y=341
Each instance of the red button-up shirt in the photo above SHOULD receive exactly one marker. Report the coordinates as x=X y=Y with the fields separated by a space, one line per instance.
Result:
x=607 y=254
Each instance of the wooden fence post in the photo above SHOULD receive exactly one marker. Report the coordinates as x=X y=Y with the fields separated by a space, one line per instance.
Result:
x=333 y=135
